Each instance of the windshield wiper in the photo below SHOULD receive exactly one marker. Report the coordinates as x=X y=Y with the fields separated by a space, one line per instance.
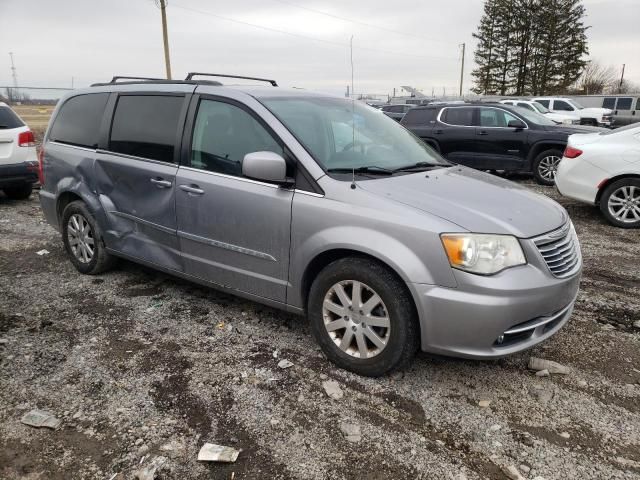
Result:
x=418 y=167
x=368 y=169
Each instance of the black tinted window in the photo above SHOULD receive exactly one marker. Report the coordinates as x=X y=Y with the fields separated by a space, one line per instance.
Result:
x=146 y=126
x=609 y=102
x=419 y=116
x=78 y=122
x=223 y=134
x=544 y=103
x=562 y=105
x=462 y=116
x=624 y=103
x=8 y=119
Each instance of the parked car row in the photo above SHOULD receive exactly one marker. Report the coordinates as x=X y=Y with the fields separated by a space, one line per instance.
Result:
x=493 y=136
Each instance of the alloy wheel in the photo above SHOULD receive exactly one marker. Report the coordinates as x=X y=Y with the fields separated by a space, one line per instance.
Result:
x=356 y=319
x=548 y=166
x=80 y=238
x=624 y=204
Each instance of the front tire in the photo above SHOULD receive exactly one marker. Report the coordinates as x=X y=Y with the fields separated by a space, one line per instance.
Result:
x=363 y=317
x=18 y=192
x=545 y=166
x=83 y=242
x=620 y=203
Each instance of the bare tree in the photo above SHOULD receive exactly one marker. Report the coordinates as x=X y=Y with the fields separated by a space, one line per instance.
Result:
x=595 y=78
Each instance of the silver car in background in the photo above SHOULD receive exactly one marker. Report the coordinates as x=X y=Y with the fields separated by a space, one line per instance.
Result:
x=314 y=204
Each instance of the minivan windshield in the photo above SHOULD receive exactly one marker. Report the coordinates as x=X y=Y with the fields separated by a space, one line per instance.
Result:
x=342 y=134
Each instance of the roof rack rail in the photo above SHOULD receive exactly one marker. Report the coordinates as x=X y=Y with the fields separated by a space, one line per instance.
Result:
x=115 y=79
x=192 y=74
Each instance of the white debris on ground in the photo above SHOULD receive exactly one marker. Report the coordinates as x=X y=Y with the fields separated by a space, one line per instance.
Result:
x=217 y=453
x=40 y=418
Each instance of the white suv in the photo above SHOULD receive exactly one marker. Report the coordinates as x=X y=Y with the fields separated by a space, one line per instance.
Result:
x=18 y=159
x=564 y=118
x=598 y=117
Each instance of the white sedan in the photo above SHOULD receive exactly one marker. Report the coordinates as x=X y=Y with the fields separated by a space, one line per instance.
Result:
x=604 y=169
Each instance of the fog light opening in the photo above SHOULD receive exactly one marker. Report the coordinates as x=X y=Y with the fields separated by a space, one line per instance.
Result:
x=500 y=339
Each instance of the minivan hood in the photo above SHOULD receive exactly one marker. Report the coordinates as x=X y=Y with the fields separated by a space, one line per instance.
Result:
x=473 y=200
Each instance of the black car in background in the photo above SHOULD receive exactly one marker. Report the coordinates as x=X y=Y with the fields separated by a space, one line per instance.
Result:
x=397 y=111
x=493 y=136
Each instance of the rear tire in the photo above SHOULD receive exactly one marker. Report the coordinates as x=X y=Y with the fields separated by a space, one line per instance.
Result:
x=19 y=192
x=620 y=195
x=385 y=348
x=545 y=166
x=83 y=241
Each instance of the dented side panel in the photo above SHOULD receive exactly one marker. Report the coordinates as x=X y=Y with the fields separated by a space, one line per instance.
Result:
x=137 y=197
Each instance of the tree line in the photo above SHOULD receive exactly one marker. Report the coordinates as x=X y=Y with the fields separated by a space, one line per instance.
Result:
x=530 y=47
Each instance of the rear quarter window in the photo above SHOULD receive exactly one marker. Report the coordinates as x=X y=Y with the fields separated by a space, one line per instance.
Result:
x=8 y=119
x=420 y=116
x=146 y=126
x=459 y=116
x=79 y=119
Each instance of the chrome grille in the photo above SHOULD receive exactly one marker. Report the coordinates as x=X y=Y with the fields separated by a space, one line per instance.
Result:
x=560 y=250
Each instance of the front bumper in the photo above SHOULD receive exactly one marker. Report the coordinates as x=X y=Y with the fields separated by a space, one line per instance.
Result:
x=18 y=174
x=524 y=305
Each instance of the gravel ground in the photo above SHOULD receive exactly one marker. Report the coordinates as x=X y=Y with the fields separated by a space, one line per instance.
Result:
x=139 y=365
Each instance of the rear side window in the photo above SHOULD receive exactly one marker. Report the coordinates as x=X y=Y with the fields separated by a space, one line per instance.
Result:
x=79 y=119
x=8 y=119
x=459 y=116
x=544 y=103
x=146 y=126
x=624 y=103
x=420 y=116
x=609 y=102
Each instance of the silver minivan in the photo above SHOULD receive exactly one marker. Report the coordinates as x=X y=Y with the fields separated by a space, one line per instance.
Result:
x=315 y=204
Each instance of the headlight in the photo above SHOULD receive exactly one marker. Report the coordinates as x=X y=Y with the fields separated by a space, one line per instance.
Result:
x=483 y=254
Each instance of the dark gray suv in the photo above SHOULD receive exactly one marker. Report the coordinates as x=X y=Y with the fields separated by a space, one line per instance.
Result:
x=313 y=204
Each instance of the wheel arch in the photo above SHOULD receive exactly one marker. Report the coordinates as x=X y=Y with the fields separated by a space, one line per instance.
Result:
x=322 y=259
x=538 y=148
x=603 y=185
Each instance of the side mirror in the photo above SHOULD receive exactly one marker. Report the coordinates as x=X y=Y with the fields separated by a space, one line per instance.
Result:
x=517 y=124
x=265 y=166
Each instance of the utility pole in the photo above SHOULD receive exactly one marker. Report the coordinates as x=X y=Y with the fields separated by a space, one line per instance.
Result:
x=14 y=93
x=462 y=69
x=621 y=79
x=165 y=35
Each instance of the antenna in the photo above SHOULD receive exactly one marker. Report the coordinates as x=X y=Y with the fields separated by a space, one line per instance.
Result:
x=353 y=117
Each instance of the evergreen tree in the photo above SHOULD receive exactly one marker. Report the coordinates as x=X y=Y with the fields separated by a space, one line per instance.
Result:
x=530 y=46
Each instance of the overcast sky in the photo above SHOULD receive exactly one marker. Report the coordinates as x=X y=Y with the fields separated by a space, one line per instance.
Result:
x=400 y=42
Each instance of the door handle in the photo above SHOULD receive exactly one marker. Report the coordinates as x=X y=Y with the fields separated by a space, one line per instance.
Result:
x=438 y=131
x=160 y=183
x=192 y=189
x=483 y=132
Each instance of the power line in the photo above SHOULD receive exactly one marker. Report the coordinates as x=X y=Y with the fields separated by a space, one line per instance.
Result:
x=329 y=42
x=358 y=22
